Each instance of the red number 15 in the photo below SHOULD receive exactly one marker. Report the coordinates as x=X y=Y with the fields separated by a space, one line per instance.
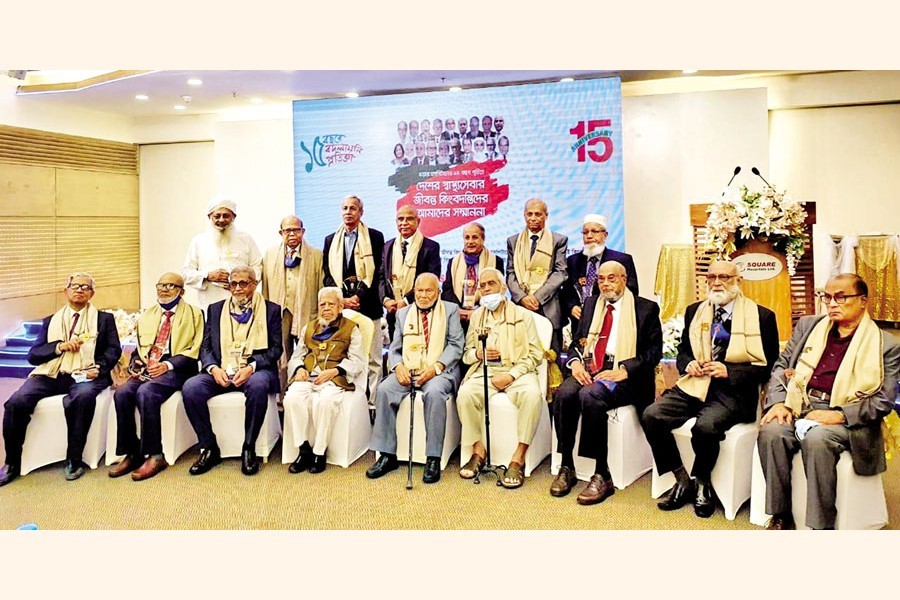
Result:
x=579 y=130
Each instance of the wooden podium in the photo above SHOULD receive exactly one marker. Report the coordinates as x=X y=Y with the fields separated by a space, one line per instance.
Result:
x=766 y=278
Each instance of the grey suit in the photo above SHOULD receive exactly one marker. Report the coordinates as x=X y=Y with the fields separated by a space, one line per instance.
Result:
x=434 y=393
x=821 y=447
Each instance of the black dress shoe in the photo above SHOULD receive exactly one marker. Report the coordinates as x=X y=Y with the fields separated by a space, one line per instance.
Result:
x=432 y=470
x=303 y=461
x=249 y=462
x=208 y=459
x=384 y=465
x=678 y=496
x=8 y=473
x=318 y=464
x=705 y=501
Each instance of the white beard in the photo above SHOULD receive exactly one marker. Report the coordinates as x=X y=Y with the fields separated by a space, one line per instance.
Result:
x=722 y=298
x=222 y=238
x=592 y=250
x=325 y=322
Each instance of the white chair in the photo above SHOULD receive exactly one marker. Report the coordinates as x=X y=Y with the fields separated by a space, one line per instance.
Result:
x=452 y=431
x=504 y=438
x=860 y=499
x=730 y=477
x=352 y=427
x=629 y=454
x=226 y=414
x=46 y=438
x=177 y=434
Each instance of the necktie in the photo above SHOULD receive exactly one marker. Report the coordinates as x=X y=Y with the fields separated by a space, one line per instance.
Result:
x=719 y=335
x=600 y=346
x=403 y=249
x=74 y=325
x=425 y=329
x=472 y=277
x=162 y=339
x=591 y=276
x=534 y=240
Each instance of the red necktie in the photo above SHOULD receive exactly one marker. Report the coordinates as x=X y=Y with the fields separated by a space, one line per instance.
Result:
x=600 y=347
x=162 y=339
x=471 y=277
x=74 y=324
x=425 y=329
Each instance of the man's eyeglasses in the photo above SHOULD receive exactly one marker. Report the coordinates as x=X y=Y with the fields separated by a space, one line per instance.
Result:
x=585 y=231
x=723 y=278
x=839 y=298
x=167 y=287
x=293 y=231
x=81 y=287
x=240 y=284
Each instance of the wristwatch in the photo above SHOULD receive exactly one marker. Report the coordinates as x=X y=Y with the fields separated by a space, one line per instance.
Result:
x=438 y=368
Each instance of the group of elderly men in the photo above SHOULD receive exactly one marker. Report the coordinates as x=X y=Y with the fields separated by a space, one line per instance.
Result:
x=826 y=393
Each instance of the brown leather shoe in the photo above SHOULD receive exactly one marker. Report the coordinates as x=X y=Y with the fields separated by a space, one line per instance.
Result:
x=596 y=491
x=124 y=466
x=564 y=482
x=780 y=522
x=151 y=467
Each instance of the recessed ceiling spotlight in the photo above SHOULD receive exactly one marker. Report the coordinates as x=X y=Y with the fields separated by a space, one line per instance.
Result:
x=179 y=107
x=352 y=94
x=689 y=71
x=455 y=88
x=567 y=80
x=194 y=81
x=141 y=97
x=256 y=100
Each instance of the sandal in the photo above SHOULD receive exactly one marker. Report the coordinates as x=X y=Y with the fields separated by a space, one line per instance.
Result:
x=474 y=466
x=516 y=472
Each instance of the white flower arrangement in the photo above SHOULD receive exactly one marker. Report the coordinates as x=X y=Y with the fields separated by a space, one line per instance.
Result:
x=672 y=335
x=743 y=215
x=126 y=323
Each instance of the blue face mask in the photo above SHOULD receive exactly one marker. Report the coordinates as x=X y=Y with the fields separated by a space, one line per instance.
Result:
x=491 y=301
x=170 y=305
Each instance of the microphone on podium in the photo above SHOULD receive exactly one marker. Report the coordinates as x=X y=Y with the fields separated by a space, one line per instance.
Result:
x=737 y=170
x=756 y=172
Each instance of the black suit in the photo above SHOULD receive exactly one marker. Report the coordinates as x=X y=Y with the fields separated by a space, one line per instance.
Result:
x=369 y=300
x=80 y=398
x=199 y=389
x=573 y=400
x=427 y=261
x=576 y=267
x=730 y=401
x=449 y=295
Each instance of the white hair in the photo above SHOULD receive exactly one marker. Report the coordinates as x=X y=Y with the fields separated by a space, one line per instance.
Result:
x=431 y=276
x=492 y=270
x=71 y=277
x=330 y=291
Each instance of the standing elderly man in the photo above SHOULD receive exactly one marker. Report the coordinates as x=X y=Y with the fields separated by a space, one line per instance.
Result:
x=582 y=268
x=463 y=271
x=240 y=352
x=405 y=258
x=169 y=336
x=292 y=276
x=76 y=350
x=328 y=357
x=613 y=359
x=536 y=267
x=213 y=253
x=830 y=401
x=513 y=355
x=726 y=353
x=353 y=264
x=426 y=348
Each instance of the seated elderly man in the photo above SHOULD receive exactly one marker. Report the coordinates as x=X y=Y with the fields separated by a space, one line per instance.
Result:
x=75 y=352
x=513 y=355
x=240 y=352
x=613 y=358
x=427 y=346
x=726 y=353
x=831 y=400
x=169 y=335
x=328 y=356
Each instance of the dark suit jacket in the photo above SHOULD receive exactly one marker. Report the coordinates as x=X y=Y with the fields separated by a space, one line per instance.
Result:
x=447 y=292
x=576 y=268
x=427 y=261
x=863 y=416
x=369 y=301
x=548 y=294
x=266 y=360
x=744 y=379
x=106 y=353
x=642 y=368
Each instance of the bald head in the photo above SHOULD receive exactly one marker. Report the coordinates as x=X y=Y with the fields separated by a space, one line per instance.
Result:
x=611 y=280
x=169 y=287
x=291 y=231
x=407 y=221
x=535 y=215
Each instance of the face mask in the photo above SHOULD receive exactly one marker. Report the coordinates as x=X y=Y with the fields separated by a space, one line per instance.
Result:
x=491 y=301
x=170 y=305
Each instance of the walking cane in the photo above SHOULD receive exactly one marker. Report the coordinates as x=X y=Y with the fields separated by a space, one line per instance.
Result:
x=488 y=467
x=412 y=412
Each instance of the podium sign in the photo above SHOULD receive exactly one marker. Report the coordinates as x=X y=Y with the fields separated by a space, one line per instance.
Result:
x=766 y=279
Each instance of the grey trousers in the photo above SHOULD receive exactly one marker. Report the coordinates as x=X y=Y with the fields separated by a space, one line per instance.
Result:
x=434 y=394
x=820 y=449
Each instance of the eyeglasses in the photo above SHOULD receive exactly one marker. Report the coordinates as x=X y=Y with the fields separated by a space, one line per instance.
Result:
x=293 y=231
x=587 y=231
x=81 y=287
x=839 y=298
x=711 y=278
x=240 y=284
x=167 y=287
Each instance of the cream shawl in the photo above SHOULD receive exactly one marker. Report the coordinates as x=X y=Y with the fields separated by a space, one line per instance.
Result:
x=509 y=333
x=745 y=345
x=362 y=257
x=307 y=290
x=186 y=334
x=247 y=337
x=58 y=331
x=860 y=375
x=532 y=272
x=415 y=355
x=459 y=268
x=626 y=335
x=403 y=272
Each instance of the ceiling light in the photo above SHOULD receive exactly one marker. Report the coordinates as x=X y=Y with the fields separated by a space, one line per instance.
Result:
x=689 y=71
x=256 y=100
x=142 y=97
x=567 y=80
x=194 y=81
x=179 y=107
x=352 y=94
x=455 y=88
